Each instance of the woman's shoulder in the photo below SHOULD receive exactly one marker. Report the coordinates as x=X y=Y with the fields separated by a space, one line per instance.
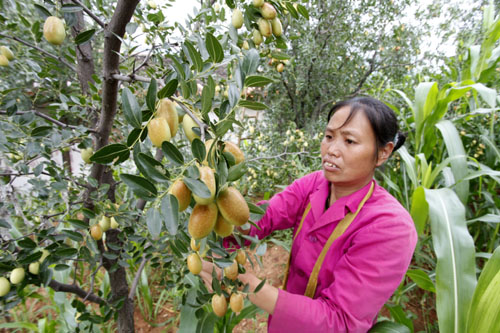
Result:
x=385 y=206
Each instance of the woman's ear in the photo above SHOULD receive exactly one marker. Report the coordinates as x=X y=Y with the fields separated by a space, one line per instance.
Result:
x=384 y=153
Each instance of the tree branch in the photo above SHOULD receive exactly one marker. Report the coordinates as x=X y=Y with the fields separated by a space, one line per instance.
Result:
x=89 y=13
x=48 y=54
x=137 y=277
x=48 y=118
x=74 y=289
x=133 y=77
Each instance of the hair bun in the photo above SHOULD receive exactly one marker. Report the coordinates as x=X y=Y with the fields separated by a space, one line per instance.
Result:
x=399 y=140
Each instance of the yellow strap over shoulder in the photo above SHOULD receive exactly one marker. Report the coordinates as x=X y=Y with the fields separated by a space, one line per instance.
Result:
x=337 y=232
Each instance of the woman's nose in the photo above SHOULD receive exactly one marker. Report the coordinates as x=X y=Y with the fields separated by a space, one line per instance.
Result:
x=333 y=148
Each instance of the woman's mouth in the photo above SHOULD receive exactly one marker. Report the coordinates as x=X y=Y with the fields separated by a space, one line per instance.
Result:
x=330 y=166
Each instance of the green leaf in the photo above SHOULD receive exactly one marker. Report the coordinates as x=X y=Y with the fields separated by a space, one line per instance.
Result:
x=206 y=100
x=27 y=243
x=250 y=62
x=170 y=213
x=153 y=221
x=233 y=94
x=421 y=279
x=198 y=149
x=214 y=48
x=484 y=314
x=259 y=287
x=248 y=312
x=280 y=55
x=456 y=151
x=197 y=187
x=61 y=267
x=142 y=187
x=456 y=267
x=389 y=327
x=74 y=235
x=42 y=10
x=303 y=11
x=291 y=9
x=79 y=224
x=4 y=224
x=41 y=131
x=419 y=209
x=84 y=36
x=489 y=218
x=152 y=168
x=236 y=171
x=172 y=153
x=169 y=89
x=257 y=81
x=399 y=315
x=66 y=253
x=194 y=56
x=151 y=96
x=108 y=153
x=252 y=105
x=131 y=109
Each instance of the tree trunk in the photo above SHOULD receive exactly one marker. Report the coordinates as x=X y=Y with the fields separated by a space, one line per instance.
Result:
x=116 y=27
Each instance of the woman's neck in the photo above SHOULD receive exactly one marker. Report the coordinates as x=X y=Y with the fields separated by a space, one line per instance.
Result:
x=337 y=192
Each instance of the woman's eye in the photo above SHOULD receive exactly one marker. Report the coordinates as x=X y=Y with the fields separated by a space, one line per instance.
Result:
x=328 y=136
x=349 y=141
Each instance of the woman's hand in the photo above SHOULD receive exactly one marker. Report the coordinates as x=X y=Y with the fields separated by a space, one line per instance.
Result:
x=206 y=273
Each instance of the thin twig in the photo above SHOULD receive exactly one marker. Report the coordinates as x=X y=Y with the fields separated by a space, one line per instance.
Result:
x=92 y=280
x=203 y=127
x=89 y=13
x=145 y=60
x=48 y=118
x=134 y=77
x=48 y=54
x=278 y=156
x=137 y=276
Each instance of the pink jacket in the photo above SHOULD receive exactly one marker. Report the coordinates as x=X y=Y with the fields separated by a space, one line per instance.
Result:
x=360 y=272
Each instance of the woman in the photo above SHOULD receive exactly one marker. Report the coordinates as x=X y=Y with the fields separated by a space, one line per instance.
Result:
x=363 y=237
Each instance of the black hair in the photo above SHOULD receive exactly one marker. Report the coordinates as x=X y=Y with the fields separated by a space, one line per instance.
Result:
x=381 y=117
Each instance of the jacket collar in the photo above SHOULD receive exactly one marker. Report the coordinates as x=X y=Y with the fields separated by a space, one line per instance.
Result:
x=339 y=209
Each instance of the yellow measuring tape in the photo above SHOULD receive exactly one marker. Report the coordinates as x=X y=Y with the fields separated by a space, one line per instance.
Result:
x=337 y=232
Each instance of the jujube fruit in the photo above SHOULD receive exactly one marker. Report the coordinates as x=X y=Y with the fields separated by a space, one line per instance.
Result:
x=17 y=275
x=222 y=227
x=158 y=131
x=105 y=223
x=280 y=67
x=34 y=268
x=258 y=3
x=96 y=231
x=53 y=30
x=187 y=124
x=194 y=263
x=86 y=154
x=182 y=193
x=168 y=110
x=219 y=305
x=207 y=176
x=195 y=246
x=257 y=37
x=7 y=52
x=231 y=272
x=3 y=60
x=234 y=150
x=202 y=220
x=233 y=206
x=241 y=258
x=236 y=302
x=268 y=11
x=237 y=18
x=4 y=286
x=113 y=223
x=276 y=27
x=265 y=27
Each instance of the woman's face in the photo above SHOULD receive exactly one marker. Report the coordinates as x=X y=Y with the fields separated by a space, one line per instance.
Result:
x=348 y=150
